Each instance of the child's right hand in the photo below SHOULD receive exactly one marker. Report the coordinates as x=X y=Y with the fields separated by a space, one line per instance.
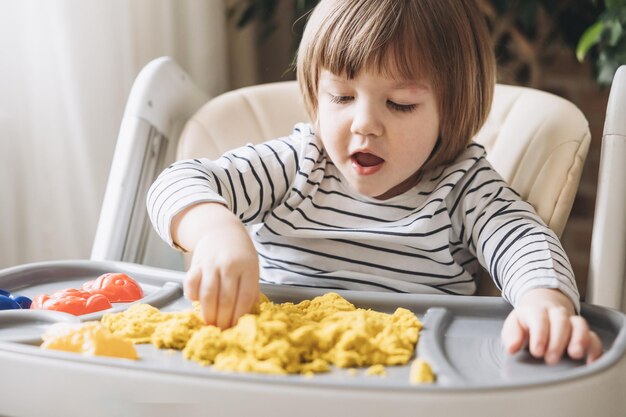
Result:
x=224 y=271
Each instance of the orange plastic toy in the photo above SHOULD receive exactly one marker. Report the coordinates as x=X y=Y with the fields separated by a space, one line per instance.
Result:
x=72 y=301
x=117 y=287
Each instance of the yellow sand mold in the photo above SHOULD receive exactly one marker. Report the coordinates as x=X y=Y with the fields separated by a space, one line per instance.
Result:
x=90 y=339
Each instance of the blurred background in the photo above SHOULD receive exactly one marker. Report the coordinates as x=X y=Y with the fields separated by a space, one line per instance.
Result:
x=68 y=66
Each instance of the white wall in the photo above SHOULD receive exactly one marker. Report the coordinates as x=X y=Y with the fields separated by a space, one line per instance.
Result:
x=65 y=73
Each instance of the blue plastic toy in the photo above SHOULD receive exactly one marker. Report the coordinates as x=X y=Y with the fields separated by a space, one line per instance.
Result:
x=9 y=301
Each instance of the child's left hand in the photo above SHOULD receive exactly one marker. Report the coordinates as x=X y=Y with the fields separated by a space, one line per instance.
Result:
x=545 y=320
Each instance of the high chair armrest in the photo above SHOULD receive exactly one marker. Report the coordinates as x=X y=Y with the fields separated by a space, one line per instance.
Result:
x=607 y=264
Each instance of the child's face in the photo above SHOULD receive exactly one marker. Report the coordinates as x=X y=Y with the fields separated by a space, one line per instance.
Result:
x=377 y=131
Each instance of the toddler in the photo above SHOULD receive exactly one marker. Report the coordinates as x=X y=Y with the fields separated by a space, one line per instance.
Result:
x=385 y=191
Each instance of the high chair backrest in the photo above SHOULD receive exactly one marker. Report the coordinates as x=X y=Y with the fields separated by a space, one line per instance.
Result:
x=537 y=141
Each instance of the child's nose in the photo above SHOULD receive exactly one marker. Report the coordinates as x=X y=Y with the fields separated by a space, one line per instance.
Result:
x=366 y=121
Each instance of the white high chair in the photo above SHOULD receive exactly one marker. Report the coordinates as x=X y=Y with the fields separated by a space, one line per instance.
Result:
x=537 y=141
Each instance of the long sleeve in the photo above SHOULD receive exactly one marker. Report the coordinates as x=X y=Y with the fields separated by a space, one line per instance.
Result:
x=507 y=236
x=250 y=181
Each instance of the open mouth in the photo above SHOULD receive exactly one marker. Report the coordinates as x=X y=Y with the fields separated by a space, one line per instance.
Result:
x=366 y=163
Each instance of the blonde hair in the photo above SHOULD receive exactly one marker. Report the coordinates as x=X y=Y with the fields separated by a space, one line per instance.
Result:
x=442 y=41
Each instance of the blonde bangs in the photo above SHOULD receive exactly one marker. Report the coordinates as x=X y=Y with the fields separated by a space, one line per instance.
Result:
x=350 y=36
x=372 y=37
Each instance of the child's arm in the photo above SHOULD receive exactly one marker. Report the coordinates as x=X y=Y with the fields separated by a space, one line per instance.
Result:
x=545 y=320
x=224 y=271
x=527 y=263
x=202 y=206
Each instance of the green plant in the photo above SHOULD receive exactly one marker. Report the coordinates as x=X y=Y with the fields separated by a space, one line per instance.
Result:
x=528 y=35
x=264 y=11
x=594 y=29
x=607 y=39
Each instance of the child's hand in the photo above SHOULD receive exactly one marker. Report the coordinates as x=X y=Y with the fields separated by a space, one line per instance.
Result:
x=545 y=320
x=224 y=271
x=224 y=277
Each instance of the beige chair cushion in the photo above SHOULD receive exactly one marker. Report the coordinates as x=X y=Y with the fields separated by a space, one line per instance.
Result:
x=537 y=141
x=247 y=115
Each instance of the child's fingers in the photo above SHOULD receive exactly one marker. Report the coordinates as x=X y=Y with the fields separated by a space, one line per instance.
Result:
x=539 y=333
x=560 y=332
x=247 y=296
x=209 y=292
x=594 y=351
x=514 y=335
x=227 y=298
x=192 y=281
x=584 y=341
x=580 y=340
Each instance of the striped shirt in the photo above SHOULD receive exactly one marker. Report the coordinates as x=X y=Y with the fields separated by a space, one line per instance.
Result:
x=311 y=229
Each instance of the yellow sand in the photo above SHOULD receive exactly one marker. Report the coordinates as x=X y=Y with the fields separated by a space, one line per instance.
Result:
x=142 y=323
x=90 y=339
x=280 y=338
x=421 y=372
x=377 y=370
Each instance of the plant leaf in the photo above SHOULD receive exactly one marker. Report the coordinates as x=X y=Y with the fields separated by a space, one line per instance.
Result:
x=614 y=5
x=615 y=32
x=590 y=37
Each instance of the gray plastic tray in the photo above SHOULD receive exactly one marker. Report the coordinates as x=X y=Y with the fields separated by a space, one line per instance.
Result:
x=460 y=339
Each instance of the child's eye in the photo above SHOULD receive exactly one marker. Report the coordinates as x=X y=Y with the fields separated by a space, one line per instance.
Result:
x=340 y=99
x=401 y=107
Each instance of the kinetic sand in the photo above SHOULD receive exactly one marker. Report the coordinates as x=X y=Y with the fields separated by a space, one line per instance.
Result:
x=285 y=338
